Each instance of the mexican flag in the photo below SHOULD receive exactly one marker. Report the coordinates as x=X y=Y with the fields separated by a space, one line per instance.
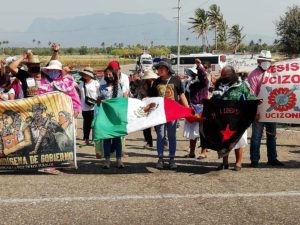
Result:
x=120 y=116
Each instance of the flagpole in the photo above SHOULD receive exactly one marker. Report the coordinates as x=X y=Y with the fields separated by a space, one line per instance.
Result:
x=178 y=36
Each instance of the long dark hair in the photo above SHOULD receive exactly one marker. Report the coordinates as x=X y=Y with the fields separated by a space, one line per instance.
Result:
x=115 y=82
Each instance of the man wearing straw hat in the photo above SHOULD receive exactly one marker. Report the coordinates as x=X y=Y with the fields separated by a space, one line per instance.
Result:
x=30 y=78
x=255 y=79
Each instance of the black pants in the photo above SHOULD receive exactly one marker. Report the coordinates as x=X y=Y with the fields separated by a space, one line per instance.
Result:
x=148 y=136
x=88 y=117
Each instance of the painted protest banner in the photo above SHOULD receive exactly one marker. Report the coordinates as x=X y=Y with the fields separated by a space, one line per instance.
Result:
x=280 y=92
x=225 y=122
x=37 y=132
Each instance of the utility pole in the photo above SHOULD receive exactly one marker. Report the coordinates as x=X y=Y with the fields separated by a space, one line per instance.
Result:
x=178 y=36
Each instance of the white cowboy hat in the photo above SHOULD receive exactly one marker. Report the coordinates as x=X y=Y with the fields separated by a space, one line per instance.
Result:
x=265 y=55
x=87 y=71
x=53 y=65
x=149 y=74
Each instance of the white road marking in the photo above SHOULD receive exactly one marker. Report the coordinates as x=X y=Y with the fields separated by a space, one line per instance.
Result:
x=149 y=197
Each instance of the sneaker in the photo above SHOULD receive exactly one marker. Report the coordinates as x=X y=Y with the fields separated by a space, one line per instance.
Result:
x=254 y=164
x=275 y=162
x=172 y=164
x=160 y=164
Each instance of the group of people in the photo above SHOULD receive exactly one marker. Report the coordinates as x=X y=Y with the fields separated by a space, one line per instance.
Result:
x=29 y=79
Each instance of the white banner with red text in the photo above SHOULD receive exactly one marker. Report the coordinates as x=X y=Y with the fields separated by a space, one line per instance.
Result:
x=280 y=92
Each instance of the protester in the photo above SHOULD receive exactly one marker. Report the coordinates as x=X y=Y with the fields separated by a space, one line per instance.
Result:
x=29 y=79
x=143 y=92
x=196 y=90
x=124 y=82
x=89 y=92
x=56 y=81
x=211 y=78
x=6 y=90
x=255 y=79
x=122 y=77
x=230 y=87
x=134 y=85
x=111 y=89
x=167 y=86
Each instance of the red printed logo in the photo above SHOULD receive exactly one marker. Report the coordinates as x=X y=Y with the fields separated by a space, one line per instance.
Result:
x=282 y=99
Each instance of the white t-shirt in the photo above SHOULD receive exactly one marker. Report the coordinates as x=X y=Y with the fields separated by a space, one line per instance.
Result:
x=92 y=91
x=5 y=95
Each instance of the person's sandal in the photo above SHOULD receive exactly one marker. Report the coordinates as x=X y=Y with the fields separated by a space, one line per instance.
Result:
x=237 y=168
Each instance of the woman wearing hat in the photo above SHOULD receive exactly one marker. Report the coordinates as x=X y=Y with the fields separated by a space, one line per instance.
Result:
x=89 y=92
x=167 y=86
x=143 y=92
x=55 y=80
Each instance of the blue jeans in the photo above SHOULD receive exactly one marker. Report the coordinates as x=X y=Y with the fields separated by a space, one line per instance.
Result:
x=108 y=144
x=257 y=131
x=171 y=132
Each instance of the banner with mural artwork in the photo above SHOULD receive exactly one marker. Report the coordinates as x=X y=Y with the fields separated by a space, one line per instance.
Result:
x=37 y=132
x=280 y=92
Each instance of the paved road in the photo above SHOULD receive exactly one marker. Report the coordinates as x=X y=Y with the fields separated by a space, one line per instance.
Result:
x=140 y=194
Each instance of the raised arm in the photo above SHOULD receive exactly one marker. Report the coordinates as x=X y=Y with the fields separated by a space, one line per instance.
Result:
x=55 y=49
x=3 y=67
x=15 y=64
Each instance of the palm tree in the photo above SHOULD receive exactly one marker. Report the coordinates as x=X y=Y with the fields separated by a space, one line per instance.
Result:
x=222 y=32
x=200 y=25
x=215 y=18
x=103 y=46
x=235 y=34
x=39 y=42
x=49 y=43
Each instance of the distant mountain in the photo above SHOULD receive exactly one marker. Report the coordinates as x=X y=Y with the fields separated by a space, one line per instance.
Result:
x=92 y=30
x=112 y=28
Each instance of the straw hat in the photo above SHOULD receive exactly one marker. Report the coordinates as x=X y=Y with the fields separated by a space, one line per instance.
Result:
x=34 y=59
x=149 y=74
x=87 y=71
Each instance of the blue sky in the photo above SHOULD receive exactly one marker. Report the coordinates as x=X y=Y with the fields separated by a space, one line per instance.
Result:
x=256 y=16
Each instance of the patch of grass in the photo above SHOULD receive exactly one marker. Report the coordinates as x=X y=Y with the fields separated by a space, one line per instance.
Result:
x=95 y=61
